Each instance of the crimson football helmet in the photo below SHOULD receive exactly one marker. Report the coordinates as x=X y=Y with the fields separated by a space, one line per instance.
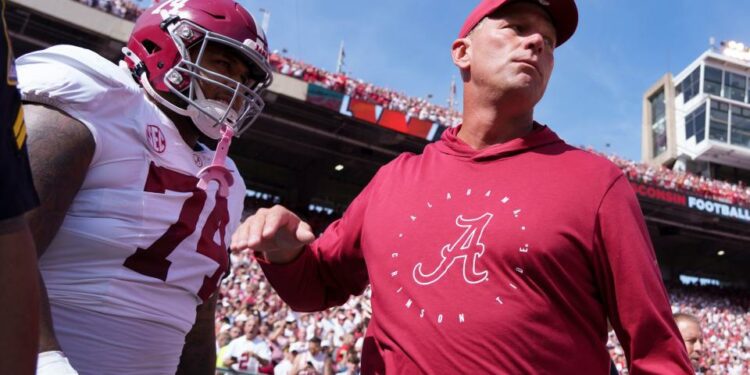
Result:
x=166 y=48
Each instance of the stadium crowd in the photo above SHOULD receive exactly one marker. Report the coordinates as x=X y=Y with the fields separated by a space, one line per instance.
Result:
x=120 y=8
x=287 y=342
x=663 y=177
x=359 y=89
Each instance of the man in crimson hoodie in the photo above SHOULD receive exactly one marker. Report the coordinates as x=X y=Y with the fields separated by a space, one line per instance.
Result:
x=500 y=249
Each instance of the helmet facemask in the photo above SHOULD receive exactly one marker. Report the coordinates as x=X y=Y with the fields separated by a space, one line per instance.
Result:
x=186 y=79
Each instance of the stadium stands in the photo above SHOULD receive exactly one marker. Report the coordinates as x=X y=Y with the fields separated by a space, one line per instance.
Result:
x=245 y=291
x=120 y=8
x=359 y=89
x=737 y=194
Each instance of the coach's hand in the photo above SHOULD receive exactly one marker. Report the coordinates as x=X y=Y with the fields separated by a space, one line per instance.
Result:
x=276 y=233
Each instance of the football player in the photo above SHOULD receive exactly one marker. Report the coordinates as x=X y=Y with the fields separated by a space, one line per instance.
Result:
x=132 y=229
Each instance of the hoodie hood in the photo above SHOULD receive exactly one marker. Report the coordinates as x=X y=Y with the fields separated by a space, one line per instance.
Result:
x=540 y=135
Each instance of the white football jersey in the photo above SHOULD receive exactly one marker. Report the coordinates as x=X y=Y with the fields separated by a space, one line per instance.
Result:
x=140 y=240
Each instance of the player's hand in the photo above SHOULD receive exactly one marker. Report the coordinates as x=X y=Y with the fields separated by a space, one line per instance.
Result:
x=54 y=363
x=275 y=232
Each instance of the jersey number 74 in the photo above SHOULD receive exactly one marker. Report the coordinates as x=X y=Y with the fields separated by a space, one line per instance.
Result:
x=153 y=261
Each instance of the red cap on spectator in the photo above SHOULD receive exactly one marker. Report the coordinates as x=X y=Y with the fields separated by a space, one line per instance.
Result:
x=564 y=15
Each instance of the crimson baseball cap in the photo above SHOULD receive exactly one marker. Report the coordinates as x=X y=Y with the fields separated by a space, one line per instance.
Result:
x=564 y=15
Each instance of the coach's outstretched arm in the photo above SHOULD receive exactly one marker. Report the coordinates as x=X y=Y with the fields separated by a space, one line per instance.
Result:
x=60 y=151
x=309 y=275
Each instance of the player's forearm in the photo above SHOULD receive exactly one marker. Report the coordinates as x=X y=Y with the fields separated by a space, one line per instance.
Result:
x=18 y=287
x=199 y=353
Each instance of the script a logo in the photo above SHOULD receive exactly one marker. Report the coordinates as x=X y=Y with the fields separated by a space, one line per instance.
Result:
x=467 y=248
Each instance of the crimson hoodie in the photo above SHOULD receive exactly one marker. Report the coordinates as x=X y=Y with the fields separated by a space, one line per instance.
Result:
x=507 y=260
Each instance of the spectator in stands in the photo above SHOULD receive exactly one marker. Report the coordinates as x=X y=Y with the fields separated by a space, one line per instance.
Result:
x=403 y=233
x=250 y=351
x=350 y=366
x=235 y=332
x=222 y=345
x=264 y=333
x=342 y=353
x=120 y=8
x=690 y=329
x=313 y=361
x=285 y=366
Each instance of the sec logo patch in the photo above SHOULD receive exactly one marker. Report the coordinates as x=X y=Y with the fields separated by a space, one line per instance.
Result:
x=156 y=139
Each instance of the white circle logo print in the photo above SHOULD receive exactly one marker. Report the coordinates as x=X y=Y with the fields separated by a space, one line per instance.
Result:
x=462 y=256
